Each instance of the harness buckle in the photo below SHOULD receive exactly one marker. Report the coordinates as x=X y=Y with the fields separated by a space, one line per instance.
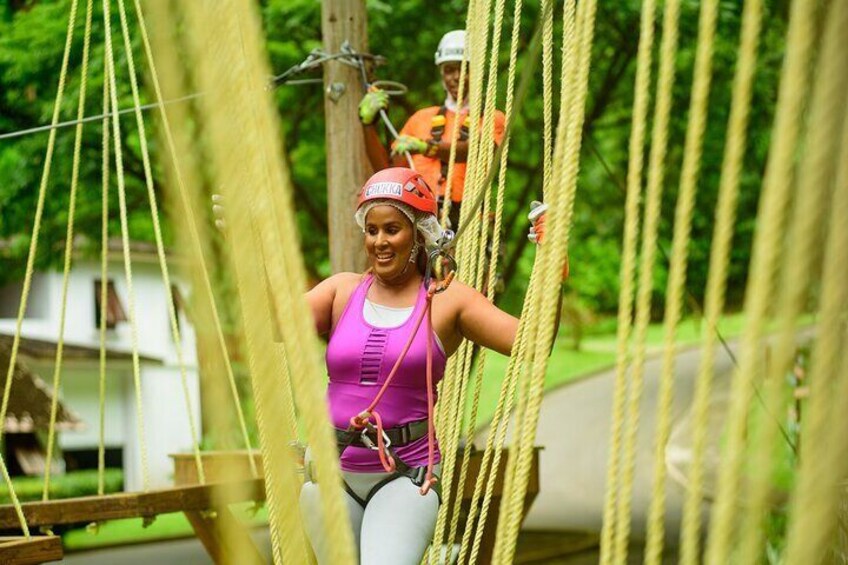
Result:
x=369 y=443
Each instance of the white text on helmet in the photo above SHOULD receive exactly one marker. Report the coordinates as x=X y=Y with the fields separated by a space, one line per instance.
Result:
x=384 y=189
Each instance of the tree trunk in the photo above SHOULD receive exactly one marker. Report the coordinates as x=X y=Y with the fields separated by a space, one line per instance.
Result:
x=347 y=163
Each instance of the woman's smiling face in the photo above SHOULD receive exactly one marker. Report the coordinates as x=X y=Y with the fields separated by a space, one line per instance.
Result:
x=389 y=239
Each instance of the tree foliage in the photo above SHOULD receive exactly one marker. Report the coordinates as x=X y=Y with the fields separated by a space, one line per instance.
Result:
x=406 y=32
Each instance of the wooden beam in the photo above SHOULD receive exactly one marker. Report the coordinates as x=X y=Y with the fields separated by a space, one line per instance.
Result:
x=347 y=163
x=30 y=551
x=132 y=505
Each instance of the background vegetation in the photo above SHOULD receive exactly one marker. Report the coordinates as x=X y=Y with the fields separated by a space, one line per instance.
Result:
x=406 y=31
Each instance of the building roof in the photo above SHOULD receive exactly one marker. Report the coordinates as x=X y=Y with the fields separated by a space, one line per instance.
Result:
x=30 y=399
x=43 y=350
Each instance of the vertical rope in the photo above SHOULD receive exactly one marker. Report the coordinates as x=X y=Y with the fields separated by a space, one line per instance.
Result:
x=69 y=250
x=497 y=435
x=656 y=172
x=718 y=267
x=194 y=236
x=233 y=32
x=809 y=213
x=39 y=211
x=815 y=501
x=628 y=263
x=692 y=152
x=470 y=251
x=495 y=245
x=104 y=290
x=773 y=203
x=518 y=364
x=547 y=10
x=504 y=407
x=160 y=247
x=122 y=200
x=565 y=186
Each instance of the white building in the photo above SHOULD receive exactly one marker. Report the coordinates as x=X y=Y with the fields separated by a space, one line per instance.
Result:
x=163 y=404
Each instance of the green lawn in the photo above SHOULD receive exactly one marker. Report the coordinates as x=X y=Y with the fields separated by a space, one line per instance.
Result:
x=132 y=530
x=597 y=353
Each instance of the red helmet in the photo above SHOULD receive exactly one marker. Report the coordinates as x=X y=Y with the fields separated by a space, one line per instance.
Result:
x=399 y=183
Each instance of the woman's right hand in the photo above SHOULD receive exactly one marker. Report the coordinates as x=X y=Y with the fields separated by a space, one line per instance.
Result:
x=537 y=214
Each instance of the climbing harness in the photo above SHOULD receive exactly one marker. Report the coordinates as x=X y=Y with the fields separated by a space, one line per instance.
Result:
x=367 y=426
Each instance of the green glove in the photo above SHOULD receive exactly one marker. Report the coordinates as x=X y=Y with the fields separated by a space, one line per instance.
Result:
x=409 y=143
x=371 y=104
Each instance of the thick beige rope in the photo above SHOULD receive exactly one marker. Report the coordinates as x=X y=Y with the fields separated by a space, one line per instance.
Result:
x=495 y=245
x=184 y=185
x=656 y=172
x=69 y=251
x=773 y=204
x=520 y=362
x=692 y=152
x=497 y=436
x=160 y=246
x=564 y=187
x=806 y=236
x=230 y=33
x=628 y=262
x=195 y=237
x=717 y=279
x=122 y=200
x=471 y=255
x=820 y=480
x=498 y=428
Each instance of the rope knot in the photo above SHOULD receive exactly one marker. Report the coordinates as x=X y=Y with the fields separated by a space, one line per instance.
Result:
x=360 y=420
x=428 y=484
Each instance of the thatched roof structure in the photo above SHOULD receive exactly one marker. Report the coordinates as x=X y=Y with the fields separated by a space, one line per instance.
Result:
x=30 y=398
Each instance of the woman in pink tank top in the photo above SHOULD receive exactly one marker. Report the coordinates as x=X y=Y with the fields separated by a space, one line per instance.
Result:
x=370 y=319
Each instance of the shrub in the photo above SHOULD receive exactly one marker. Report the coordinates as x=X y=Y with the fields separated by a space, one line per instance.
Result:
x=69 y=485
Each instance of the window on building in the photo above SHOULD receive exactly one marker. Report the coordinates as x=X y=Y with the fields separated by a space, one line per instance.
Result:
x=113 y=308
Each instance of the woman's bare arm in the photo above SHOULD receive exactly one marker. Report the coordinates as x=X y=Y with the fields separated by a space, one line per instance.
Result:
x=484 y=323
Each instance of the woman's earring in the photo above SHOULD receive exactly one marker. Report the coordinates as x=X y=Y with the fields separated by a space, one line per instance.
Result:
x=414 y=254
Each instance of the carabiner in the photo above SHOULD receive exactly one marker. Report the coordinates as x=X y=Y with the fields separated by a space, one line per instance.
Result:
x=369 y=443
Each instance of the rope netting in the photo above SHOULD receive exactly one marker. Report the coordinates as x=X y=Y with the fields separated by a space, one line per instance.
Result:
x=797 y=267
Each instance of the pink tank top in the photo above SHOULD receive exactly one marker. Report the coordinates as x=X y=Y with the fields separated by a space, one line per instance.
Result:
x=360 y=357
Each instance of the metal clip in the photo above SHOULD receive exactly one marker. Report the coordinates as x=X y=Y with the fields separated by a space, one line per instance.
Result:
x=335 y=91
x=369 y=443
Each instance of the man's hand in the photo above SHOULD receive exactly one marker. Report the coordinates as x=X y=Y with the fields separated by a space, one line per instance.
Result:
x=409 y=144
x=371 y=104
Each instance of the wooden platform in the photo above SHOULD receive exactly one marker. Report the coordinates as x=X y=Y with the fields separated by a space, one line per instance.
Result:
x=132 y=505
x=36 y=549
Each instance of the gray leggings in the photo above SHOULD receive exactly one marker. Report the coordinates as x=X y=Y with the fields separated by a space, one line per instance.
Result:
x=395 y=527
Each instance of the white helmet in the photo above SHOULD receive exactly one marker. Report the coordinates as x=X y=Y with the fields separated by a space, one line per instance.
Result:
x=451 y=47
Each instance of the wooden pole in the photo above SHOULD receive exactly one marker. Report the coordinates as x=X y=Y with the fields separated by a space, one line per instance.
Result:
x=347 y=163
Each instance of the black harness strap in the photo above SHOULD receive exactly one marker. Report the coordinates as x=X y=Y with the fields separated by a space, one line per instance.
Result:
x=399 y=437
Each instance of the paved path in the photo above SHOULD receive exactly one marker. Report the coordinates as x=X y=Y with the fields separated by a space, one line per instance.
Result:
x=178 y=552
x=574 y=428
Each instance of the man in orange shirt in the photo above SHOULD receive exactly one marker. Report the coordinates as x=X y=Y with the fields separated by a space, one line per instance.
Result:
x=427 y=135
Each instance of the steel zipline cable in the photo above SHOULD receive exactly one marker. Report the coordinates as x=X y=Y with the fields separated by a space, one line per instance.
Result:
x=314 y=60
